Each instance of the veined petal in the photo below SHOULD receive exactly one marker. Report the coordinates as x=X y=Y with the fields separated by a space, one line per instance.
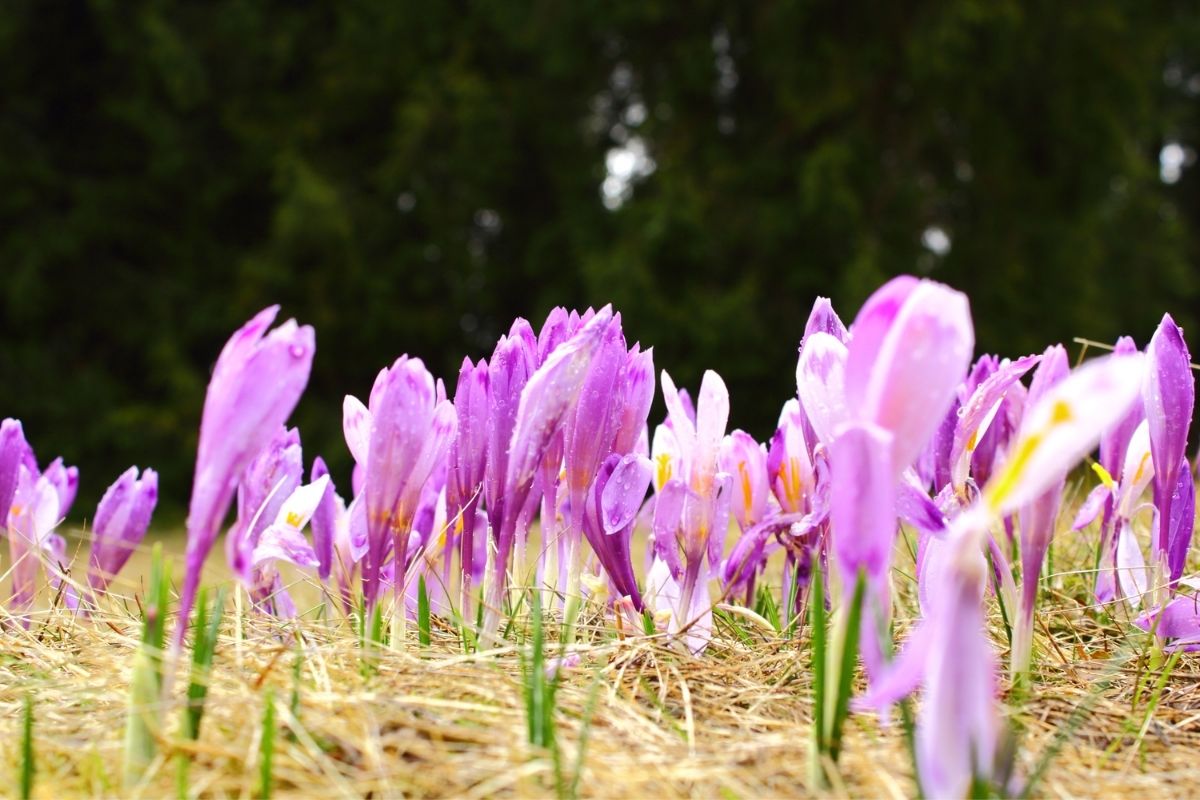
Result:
x=1063 y=427
x=863 y=504
x=623 y=493
x=821 y=384
x=285 y=543
x=911 y=346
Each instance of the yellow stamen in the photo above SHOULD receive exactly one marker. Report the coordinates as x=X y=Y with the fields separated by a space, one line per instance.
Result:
x=1104 y=476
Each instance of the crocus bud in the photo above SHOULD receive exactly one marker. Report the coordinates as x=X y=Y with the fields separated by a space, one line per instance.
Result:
x=1169 y=395
x=410 y=433
x=257 y=381
x=121 y=521
x=65 y=481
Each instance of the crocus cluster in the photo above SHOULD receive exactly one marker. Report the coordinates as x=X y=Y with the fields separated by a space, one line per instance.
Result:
x=541 y=471
x=35 y=502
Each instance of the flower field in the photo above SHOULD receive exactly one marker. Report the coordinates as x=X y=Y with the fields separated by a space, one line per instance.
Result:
x=944 y=574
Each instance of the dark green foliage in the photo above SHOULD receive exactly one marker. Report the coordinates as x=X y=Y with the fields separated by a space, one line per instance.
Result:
x=408 y=178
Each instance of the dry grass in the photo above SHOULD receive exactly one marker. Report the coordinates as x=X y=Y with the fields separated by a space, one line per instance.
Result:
x=438 y=723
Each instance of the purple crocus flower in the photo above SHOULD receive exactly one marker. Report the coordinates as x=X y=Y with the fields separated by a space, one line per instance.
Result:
x=468 y=464
x=608 y=518
x=1038 y=518
x=548 y=397
x=269 y=480
x=745 y=461
x=12 y=453
x=909 y=350
x=512 y=362
x=949 y=653
x=282 y=539
x=324 y=520
x=411 y=431
x=31 y=520
x=1169 y=396
x=256 y=383
x=65 y=481
x=121 y=521
x=692 y=507
x=589 y=426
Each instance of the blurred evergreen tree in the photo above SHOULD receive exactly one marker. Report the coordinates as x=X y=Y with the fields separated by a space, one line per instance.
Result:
x=408 y=177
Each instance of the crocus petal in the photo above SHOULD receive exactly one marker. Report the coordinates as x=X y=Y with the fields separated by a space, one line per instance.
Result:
x=682 y=423
x=120 y=524
x=1137 y=471
x=1115 y=441
x=1183 y=521
x=1132 y=575
x=65 y=481
x=285 y=543
x=1169 y=395
x=668 y=513
x=823 y=319
x=356 y=427
x=1064 y=426
x=624 y=492
x=863 y=504
x=552 y=390
x=744 y=459
x=13 y=449
x=911 y=346
x=820 y=384
x=324 y=520
x=979 y=411
x=1179 y=619
x=915 y=508
x=1091 y=507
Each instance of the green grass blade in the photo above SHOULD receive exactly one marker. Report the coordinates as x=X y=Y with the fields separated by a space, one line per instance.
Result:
x=846 y=667
x=267 y=749
x=143 y=714
x=818 y=623
x=25 y=779
x=422 y=612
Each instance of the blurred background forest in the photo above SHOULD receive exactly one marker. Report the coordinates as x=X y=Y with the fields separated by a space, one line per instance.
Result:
x=408 y=177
